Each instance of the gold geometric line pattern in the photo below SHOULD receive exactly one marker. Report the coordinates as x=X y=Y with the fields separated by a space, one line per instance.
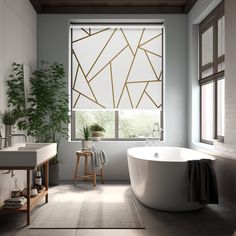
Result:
x=86 y=31
x=150 y=39
x=143 y=81
x=130 y=68
x=92 y=100
x=151 y=65
x=155 y=54
x=108 y=63
x=129 y=96
x=127 y=41
x=112 y=86
x=141 y=95
x=84 y=77
x=77 y=70
x=89 y=98
x=76 y=101
x=160 y=76
x=123 y=65
x=101 y=52
x=85 y=37
x=152 y=100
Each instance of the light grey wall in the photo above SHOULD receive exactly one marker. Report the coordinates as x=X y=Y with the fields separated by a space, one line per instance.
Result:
x=53 y=36
x=18 y=43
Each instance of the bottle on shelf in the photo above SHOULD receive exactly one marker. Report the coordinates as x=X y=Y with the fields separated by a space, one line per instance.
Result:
x=15 y=191
x=38 y=177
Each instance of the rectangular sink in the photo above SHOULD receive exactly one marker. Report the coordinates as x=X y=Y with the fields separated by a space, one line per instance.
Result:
x=27 y=155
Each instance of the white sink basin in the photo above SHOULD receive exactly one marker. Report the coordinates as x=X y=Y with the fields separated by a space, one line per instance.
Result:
x=27 y=155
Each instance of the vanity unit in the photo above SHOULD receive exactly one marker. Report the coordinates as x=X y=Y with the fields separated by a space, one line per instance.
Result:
x=28 y=157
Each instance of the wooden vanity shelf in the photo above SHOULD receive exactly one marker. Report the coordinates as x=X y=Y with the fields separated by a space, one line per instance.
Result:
x=31 y=201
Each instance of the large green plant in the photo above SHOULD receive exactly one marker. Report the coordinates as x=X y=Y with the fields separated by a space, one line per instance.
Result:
x=48 y=111
x=46 y=116
x=15 y=92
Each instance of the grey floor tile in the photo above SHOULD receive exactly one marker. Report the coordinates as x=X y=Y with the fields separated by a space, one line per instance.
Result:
x=51 y=232
x=213 y=220
x=112 y=232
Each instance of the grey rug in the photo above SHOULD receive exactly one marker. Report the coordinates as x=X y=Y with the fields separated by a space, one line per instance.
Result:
x=98 y=209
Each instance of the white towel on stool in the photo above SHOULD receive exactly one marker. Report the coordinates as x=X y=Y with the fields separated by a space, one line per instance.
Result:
x=98 y=158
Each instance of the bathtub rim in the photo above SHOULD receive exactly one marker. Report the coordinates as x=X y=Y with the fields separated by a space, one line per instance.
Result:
x=211 y=157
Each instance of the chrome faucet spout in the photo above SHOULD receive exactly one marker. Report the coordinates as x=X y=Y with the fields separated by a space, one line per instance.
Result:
x=18 y=135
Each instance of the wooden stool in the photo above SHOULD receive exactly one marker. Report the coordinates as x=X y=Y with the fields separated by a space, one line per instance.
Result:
x=93 y=175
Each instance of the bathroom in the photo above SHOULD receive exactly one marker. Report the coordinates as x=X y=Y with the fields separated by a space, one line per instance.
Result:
x=28 y=37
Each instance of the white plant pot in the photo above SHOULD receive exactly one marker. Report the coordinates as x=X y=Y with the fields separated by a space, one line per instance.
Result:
x=86 y=144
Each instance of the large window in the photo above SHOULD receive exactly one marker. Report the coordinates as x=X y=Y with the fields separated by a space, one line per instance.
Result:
x=119 y=124
x=117 y=79
x=212 y=80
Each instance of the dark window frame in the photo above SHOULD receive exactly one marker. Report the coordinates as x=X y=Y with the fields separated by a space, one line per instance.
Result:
x=211 y=21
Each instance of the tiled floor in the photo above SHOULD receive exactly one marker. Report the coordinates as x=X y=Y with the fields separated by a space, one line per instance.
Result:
x=213 y=220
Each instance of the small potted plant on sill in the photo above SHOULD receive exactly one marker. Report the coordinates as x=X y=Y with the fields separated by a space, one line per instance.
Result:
x=86 y=133
x=96 y=131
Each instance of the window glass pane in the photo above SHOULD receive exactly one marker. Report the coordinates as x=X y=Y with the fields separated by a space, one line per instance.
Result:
x=207 y=46
x=221 y=36
x=137 y=123
x=105 y=118
x=207 y=112
x=220 y=107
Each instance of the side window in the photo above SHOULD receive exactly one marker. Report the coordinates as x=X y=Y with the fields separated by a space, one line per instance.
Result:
x=211 y=71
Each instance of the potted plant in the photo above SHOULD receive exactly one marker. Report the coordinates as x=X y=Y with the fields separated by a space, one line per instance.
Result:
x=86 y=133
x=8 y=119
x=46 y=116
x=96 y=131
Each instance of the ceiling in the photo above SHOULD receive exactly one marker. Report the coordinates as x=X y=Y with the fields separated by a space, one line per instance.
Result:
x=113 y=6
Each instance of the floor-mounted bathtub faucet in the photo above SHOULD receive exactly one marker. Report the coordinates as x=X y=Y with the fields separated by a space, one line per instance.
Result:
x=156 y=134
x=156 y=137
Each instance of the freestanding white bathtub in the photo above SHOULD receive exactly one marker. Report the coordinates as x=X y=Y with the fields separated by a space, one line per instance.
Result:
x=162 y=182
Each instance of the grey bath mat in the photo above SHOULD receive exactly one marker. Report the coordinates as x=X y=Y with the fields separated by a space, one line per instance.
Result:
x=75 y=210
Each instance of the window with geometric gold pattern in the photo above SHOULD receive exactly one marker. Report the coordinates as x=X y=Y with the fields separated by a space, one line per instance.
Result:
x=114 y=69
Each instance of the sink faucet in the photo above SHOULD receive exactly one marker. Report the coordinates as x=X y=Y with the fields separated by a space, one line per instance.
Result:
x=18 y=135
x=8 y=142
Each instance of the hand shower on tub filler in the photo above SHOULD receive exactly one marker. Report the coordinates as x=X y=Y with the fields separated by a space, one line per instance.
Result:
x=156 y=137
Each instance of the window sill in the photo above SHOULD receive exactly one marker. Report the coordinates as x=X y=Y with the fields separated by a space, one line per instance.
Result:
x=110 y=140
x=113 y=140
x=210 y=149
x=203 y=147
